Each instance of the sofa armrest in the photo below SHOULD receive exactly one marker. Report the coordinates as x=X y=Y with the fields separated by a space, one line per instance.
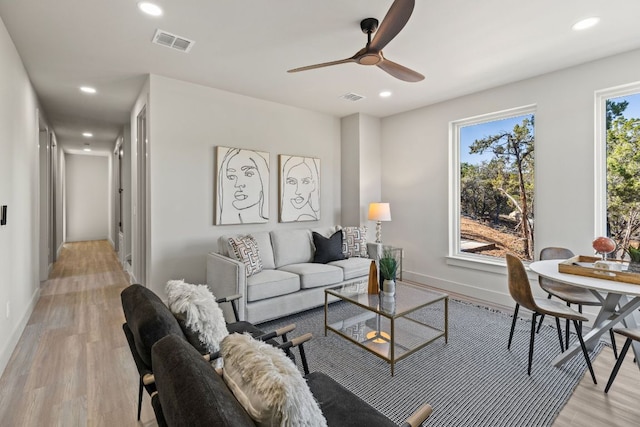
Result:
x=226 y=276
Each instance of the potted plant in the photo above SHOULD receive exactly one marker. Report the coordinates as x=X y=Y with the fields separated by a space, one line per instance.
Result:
x=634 y=256
x=388 y=270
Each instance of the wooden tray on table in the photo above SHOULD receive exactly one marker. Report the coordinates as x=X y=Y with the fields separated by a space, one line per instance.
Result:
x=583 y=265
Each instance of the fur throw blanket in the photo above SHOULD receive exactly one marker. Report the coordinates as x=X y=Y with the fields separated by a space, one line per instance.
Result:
x=203 y=315
x=268 y=384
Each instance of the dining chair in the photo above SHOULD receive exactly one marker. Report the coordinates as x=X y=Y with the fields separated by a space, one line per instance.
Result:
x=568 y=293
x=632 y=335
x=520 y=290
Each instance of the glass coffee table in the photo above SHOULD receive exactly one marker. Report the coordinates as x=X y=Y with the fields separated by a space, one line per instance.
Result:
x=380 y=324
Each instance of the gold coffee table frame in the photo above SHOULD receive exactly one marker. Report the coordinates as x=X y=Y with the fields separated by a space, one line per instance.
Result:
x=382 y=326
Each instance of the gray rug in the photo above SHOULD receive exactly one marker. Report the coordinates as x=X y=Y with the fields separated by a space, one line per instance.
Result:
x=471 y=381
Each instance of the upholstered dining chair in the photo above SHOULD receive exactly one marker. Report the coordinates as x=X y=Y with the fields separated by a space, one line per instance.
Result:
x=568 y=293
x=632 y=335
x=520 y=290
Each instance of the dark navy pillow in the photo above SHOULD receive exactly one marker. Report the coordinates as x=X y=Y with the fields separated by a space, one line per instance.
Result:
x=328 y=250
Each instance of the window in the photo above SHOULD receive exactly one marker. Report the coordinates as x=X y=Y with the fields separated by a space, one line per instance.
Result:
x=492 y=180
x=618 y=165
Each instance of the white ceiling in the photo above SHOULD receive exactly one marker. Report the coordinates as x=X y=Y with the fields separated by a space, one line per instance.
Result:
x=246 y=46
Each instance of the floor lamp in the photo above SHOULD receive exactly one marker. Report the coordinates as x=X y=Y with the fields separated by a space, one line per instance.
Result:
x=379 y=212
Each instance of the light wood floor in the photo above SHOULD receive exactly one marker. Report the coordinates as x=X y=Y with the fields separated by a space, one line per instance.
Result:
x=72 y=365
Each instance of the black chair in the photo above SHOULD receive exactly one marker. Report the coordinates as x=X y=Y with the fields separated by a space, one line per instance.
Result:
x=520 y=290
x=191 y=394
x=148 y=320
x=632 y=335
x=568 y=293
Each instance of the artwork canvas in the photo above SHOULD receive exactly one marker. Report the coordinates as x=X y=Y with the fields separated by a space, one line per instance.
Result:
x=299 y=188
x=242 y=191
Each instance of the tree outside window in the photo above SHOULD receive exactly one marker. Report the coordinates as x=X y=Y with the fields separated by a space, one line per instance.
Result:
x=496 y=184
x=623 y=171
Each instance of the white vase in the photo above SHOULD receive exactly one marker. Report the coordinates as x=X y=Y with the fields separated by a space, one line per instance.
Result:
x=389 y=287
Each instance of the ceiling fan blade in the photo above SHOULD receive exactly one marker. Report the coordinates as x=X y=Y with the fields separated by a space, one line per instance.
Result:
x=399 y=71
x=395 y=20
x=324 y=64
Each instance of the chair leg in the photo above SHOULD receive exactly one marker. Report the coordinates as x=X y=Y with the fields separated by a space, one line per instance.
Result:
x=542 y=317
x=533 y=336
x=559 y=334
x=613 y=343
x=616 y=368
x=566 y=332
x=513 y=325
x=584 y=351
x=140 y=389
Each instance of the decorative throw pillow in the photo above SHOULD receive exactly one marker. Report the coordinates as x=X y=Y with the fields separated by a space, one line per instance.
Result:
x=245 y=250
x=200 y=311
x=354 y=242
x=327 y=249
x=268 y=384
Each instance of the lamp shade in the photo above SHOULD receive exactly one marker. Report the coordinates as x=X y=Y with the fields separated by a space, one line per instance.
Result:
x=379 y=212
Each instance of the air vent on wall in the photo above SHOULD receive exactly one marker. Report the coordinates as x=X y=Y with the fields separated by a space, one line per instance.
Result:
x=352 y=97
x=164 y=38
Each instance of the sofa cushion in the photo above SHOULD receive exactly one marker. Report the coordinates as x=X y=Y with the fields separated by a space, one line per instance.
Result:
x=268 y=384
x=292 y=246
x=271 y=283
x=245 y=250
x=341 y=407
x=354 y=242
x=263 y=239
x=353 y=267
x=313 y=275
x=327 y=249
x=190 y=392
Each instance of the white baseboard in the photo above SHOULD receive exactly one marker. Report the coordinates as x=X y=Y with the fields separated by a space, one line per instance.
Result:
x=11 y=343
x=491 y=298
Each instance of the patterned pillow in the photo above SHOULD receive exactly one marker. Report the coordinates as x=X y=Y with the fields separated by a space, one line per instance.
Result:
x=245 y=249
x=354 y=242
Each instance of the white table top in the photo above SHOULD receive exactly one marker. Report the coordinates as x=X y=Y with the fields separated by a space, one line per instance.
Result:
x=549 y=269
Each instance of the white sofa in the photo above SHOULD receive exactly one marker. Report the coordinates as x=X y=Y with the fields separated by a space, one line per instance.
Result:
x=290 y=282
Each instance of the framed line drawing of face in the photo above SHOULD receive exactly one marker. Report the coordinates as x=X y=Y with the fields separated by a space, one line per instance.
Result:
x=299 y=188
x=242 y=192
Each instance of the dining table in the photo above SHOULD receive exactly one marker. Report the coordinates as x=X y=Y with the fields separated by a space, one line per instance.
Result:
x=620 y=302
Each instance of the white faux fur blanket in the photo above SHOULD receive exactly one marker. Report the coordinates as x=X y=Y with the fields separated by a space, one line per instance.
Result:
x=203 y=315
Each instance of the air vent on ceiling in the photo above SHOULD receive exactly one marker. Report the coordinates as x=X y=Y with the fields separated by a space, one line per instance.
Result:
x=352 y=97
x=164 y=38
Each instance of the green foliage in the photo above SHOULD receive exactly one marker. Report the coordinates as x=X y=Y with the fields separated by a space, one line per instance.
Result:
x=388 y=265
x=615 y=110
x=634 y=253
x=623 y=180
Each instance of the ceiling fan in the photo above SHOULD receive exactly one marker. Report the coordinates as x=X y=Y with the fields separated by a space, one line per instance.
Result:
x=395 y=20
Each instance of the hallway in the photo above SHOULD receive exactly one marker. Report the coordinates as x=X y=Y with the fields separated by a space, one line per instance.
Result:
x=72 y=365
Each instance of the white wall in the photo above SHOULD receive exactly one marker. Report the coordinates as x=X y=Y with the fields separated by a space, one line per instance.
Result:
x=361 y=168
x=19 y=260
x=186 y=122
x=416 y=170
x=87 y=197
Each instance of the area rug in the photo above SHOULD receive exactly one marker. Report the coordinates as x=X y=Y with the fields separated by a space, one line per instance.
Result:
x=471 y=381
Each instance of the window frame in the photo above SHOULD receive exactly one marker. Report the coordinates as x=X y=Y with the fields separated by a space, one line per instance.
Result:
x=455 y=255
x=600 y=150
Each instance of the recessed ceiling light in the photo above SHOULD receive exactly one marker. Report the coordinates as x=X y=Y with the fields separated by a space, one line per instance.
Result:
x=87 y=147
x=150 y=8
x=88 y=89
x=385 y=94
x=585 y=23
x=87 y=134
